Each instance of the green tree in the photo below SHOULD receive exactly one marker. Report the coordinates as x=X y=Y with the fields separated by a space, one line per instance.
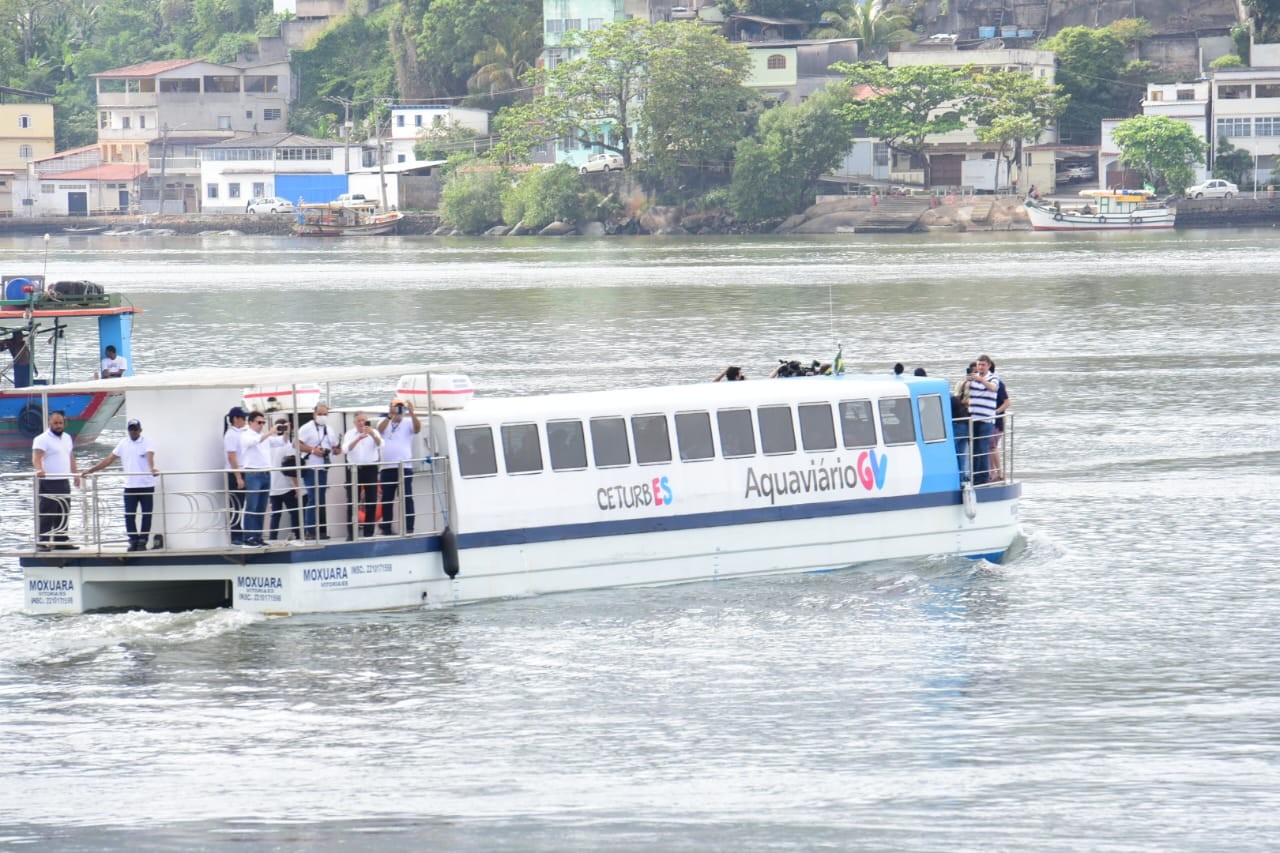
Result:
x=774 y=174
x=668 y=90
x=1013 y=107
x=1265 y=15
x=1230 y=60
x=449 y=35
x=508 y=53
x=472 y=201
x=911 y=103
x=543 y=196
x=1231 y=163
x=695 y=107
x=878 y=26
x=1093 y=70
x=340 y=65
x=1161 y=149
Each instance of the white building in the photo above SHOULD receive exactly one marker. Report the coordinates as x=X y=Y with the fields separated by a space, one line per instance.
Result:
x=411 y=124
x=1246 y=108
x=293 y=167
x=1185 y=102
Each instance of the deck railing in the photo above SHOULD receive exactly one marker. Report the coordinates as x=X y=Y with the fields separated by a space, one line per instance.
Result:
x=985 y=454
x=194 y=512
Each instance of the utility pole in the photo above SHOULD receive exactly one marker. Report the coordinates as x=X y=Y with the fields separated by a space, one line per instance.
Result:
x=164 y=159
x=346 y=104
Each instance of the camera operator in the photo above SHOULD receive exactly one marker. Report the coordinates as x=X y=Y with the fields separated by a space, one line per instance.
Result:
x=397 y=454
x=317 y=446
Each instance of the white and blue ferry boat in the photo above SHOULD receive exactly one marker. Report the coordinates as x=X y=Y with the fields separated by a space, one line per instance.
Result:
x=540 y=494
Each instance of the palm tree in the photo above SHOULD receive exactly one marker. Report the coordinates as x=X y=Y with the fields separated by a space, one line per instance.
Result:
x=877 y=25
x=504 y=59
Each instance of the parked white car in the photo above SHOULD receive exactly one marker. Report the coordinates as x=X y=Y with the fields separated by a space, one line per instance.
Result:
x=1078 y=173
x=606 y=162
x=1216 y=188
x=269 y=205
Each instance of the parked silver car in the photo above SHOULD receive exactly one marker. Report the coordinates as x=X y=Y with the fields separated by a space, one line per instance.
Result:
x=1215 y=188
x=269 y=205
x=607 y=162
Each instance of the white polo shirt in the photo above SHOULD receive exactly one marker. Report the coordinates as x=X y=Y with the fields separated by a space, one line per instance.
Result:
x=133 y=459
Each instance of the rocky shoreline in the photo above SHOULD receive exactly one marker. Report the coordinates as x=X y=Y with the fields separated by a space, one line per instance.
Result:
x=838 y=215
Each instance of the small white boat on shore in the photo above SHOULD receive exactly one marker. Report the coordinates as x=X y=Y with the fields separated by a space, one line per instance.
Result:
x=531 y=495
x=1103 y=210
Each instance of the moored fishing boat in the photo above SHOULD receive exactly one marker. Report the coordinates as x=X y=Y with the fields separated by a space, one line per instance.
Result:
x=1103 y=210
x=344 y=219
x=541 y=494
x=38 y=326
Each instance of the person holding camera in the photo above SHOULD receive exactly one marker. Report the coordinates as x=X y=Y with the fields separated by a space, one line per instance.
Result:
x=363 y=446
x=284 y=483
x=397 y=456
x=255 y=465
x=317 y=446
x=984 y=386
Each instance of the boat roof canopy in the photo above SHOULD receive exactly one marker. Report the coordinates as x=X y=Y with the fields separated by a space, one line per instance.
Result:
x=244 y=377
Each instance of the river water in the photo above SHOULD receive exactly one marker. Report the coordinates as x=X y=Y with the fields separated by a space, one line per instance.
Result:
x=1113 y=685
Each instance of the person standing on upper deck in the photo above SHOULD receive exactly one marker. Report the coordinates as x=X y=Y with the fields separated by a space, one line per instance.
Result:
x=138 y=459
x=255 y=463
x=984 y=387
x=317 y=445
x=397 y=456
x=113 y=366
x=363 y=446
x=53 y=457
x=233 y=431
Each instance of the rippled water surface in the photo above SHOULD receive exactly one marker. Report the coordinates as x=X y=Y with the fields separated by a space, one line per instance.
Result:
x=1114 y=685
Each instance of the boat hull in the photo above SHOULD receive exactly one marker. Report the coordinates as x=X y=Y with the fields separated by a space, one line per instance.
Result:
x=1048 y=219
x=379 y=574
x=21 y=417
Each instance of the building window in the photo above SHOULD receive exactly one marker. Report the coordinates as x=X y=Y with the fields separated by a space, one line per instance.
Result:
x=24 y=151
x=776 y=62
x=417 y=120
x=180 y=84
x=104 y=121
x=24 y=122
x=1267 y=125
x=1234 y=127
x=1266 y=90
x=594 y=24
x=271 y=114
x=233 y=191
x=1157 y=95
x=142 y=122
x=555 y=26
x=1186 y=94
x=1234 y=92
x=258 y=83
x=124 y=122
x=211 y=190
x=400 y=120
x=400 y=158
x=259 y=189
x=248 y=115
x=222 y=83
x=571 y=24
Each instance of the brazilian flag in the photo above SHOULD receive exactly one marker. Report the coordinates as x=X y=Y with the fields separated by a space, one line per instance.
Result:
x=837 y=366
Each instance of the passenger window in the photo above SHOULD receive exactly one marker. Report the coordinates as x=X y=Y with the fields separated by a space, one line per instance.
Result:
x=817 y=430
x=896 y=420
x=693 y=436
x=932 y=423
x=567 y=445
x=521 y=450
x=737 y=438
x=653 y=442
x=857 y=427
x=476 y=457
x=777 y=433
x=609 y=442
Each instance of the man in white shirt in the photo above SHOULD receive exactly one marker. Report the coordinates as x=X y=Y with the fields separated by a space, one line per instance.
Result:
x=113 y=366
x=53 y=457
x=233 y=430
x=138 y=459
x=397 y=454
x=318 y=444
x=363 y=446
x=255 y=465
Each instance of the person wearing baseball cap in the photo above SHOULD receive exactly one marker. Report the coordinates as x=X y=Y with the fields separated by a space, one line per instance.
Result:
x=138 y=459
x=233 y=430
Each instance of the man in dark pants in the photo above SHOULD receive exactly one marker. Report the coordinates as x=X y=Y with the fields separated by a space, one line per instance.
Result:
x=232 y=431
x=53 y=457
x=138 y=458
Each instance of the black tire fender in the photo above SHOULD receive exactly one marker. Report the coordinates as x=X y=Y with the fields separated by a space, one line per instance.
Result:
x=31 y=420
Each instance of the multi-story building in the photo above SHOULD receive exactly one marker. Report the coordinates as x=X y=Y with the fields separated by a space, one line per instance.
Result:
x=293 y=167
x=409 y=124
x=159 y=113
x=26 y=135
x=1185 y=102
x=1245 y=106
